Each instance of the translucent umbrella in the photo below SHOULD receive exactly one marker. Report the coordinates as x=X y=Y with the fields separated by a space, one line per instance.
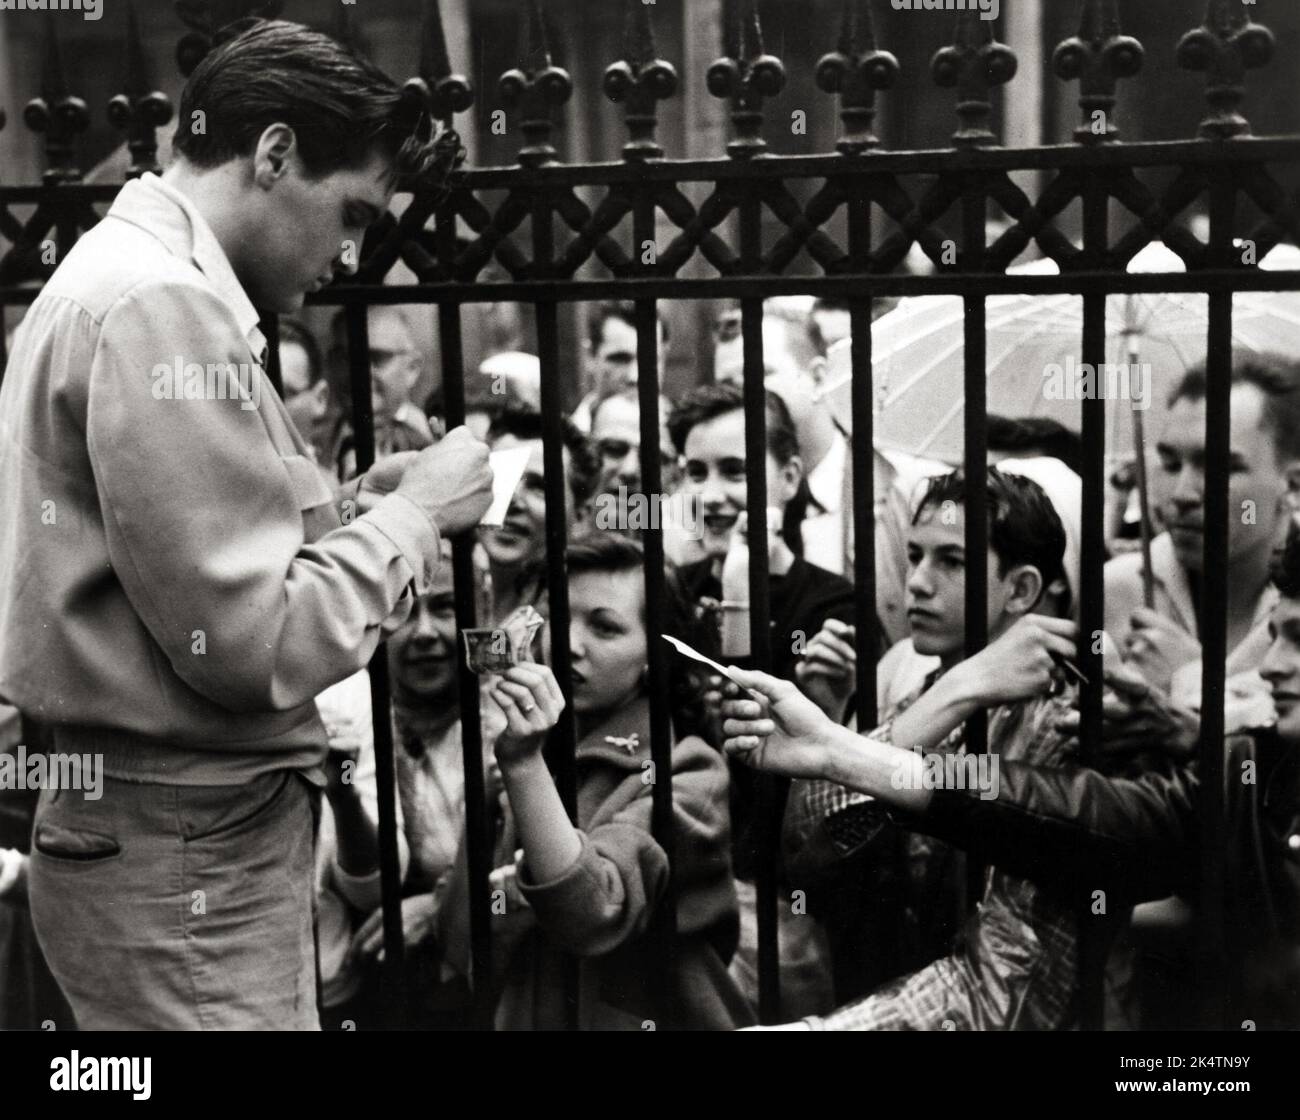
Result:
x=1033 y=366
x=1033 y=358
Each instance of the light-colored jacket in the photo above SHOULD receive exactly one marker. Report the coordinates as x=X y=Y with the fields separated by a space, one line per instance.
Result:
x=1173 y=600
x=176 y=583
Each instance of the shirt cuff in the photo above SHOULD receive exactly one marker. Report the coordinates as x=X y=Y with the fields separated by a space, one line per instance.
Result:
x=413 y=532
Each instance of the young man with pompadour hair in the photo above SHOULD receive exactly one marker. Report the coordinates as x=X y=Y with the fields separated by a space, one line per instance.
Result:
x=177 y=583
x=1012 y=964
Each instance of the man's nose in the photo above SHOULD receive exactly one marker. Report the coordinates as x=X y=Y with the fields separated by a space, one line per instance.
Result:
x=629 y=470
x=1189 y=488
x=1271 y=668
x=918 y=582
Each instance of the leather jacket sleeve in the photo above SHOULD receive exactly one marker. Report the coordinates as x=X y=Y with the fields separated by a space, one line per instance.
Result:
x=1064 y=825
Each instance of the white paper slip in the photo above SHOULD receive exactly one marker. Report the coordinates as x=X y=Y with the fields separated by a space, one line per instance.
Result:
x=696 y=655
x=508 y=467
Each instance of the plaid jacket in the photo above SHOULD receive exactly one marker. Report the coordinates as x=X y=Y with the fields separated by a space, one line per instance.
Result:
x=1014 y=964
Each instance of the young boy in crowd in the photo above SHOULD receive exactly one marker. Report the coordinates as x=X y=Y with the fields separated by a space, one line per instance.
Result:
x=1012 y=964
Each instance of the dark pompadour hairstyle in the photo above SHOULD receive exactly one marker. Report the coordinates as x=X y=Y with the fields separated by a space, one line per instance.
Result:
x=1279 y=379
x=584 y=461
x=341 y=107
x=707 y=402
x=1024 y=527
x=613 y=552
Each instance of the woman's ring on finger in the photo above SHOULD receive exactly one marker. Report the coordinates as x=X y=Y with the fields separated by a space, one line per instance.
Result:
x=528 y=707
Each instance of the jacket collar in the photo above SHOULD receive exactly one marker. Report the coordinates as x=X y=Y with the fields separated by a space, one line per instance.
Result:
x=1170 y=575
x=164 y=212
x=623 y=739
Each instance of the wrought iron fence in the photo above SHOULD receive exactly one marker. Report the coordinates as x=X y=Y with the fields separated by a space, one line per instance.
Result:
x=531 y=221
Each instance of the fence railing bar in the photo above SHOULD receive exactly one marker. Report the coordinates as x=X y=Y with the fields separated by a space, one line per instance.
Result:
x=839 y=286
x=1215 y=963
x=394 y=968
x=768 y=789
x=478 y=834
x=562 y=740
x=927 y=161
x=1091 y=590
x=865 y=618
x=975 y=465
x=657 y=680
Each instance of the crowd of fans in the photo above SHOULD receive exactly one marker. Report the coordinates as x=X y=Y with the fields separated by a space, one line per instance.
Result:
x=881 y=923
x=882 y=932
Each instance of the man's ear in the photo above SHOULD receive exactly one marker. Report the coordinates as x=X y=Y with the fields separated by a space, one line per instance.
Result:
x=276 y=148
x=1025 y=584
x=817 y=373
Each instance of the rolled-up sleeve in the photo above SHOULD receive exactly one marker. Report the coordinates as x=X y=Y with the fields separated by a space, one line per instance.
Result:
x=204 y=525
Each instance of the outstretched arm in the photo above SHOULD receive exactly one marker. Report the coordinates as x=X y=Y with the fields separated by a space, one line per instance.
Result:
x=531 y=699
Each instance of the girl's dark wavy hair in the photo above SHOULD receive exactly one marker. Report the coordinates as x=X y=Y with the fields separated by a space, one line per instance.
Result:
x=341 y=107
x=612 y=552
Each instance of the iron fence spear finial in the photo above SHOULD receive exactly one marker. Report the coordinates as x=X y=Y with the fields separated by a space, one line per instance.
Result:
x=449 y=93
x=1225 y=46
x=855 y=71
x=57 y=113
x=640 y=79
x=975 y=63
x=1098 y=56
x=140 y=109
x=538 y=89
x=747 y=75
